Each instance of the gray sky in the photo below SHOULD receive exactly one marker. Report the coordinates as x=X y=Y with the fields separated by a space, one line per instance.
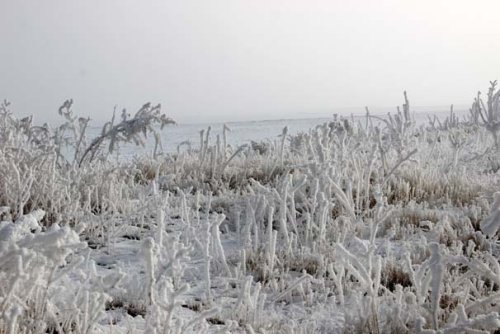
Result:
x=216 y=60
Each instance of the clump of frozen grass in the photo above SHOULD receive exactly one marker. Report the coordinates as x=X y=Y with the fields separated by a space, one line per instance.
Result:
x=52 y=168
x=34 y=264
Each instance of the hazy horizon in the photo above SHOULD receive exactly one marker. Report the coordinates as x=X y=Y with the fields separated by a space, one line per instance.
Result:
x=215 y=61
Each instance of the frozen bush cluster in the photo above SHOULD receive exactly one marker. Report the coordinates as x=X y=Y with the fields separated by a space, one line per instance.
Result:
x=371 y=226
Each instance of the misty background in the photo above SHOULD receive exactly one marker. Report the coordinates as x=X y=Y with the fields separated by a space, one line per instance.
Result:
x=231 y=60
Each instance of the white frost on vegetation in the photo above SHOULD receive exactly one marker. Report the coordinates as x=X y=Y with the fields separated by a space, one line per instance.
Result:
x=369 y=226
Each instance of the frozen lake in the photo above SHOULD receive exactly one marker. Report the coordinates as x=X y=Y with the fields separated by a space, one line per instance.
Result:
x=243 y=132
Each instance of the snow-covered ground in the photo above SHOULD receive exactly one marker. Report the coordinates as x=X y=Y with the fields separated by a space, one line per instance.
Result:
x=332 y=226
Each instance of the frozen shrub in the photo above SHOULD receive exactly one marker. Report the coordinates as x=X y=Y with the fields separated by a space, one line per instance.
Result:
x=33 y=264
x=488 y=113
x=128 y=130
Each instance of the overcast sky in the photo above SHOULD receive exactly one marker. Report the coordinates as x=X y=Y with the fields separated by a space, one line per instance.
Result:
x=215 y=60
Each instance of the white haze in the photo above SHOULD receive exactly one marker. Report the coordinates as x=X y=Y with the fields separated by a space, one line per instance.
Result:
x=244 y=60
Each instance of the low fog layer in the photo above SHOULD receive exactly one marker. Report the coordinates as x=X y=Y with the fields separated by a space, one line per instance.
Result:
x=238 y=60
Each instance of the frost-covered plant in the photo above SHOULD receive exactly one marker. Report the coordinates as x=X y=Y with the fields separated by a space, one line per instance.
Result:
x=489 y=113
x=451 y=121
x=399 y=126
x=128 y=130
x=39 y=164
x=33 y=264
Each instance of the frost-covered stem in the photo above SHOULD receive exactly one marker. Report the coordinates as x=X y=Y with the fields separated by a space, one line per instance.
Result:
x=342 y=197
x=359 y=270
x=256 y=235
x=213 y=163
x=225 y=129
x=237 y=223
x=282 y=213
x=408 y=156
x=259 y=307
x=255 y=302
x=204 y=146
x=238 y=151
x=295 y=284
x=207 y=262
x=201 y=147
x=80 y=140
x=308 y=232
x=169 y=307
x=456 y=153
x=86 y=311
x=478 y=304
x=160 y=226
x=94 y=145
x=282 y=147
x=11 y=318
x=244 y=297
x=371 y=161
x=249 y=329
x=437 y=270
x=148 y=249
x=18 y=193
x=218 y=148
x=358 y=177
x=13 y=285
x=244 y=262
x=218 y=243
x=377 y=271
x=324 y=206
x=337 y=280
x=381 y=149
x=204 y=315
x=292 y=206
x=416 y=279
x=158 y=145
x=272 y=236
